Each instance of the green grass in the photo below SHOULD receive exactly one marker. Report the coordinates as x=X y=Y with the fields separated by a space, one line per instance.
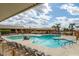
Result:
x=5 y=31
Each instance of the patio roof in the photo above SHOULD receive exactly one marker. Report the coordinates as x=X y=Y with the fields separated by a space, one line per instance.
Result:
x=10 y=9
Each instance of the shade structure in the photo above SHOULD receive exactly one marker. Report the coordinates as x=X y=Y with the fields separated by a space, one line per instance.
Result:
x=10 y=9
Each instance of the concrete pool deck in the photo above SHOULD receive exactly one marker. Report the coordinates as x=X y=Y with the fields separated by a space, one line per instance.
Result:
x=71 y=50
x=64 y=51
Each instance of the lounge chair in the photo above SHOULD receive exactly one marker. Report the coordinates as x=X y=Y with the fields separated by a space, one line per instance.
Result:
x=29 y=51
x=39 y=53
x=24 y=48
x=1 y=55
x=33 y=51
x=1 y=40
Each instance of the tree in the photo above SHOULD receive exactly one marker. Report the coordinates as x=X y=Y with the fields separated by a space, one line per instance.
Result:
x=57 y=26
x=71 y=27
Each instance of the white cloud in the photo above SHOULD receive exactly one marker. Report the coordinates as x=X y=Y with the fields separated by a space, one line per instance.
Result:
x=44 y=8
x=33 y=18
x=71 y=8
x=64 y=21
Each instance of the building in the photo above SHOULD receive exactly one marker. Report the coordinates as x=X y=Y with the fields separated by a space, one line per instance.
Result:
x=21 y=29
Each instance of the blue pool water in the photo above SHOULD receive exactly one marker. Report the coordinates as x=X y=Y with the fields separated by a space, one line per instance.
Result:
x=51 y=41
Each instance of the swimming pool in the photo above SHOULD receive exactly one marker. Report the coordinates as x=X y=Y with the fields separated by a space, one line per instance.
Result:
x=51 y=41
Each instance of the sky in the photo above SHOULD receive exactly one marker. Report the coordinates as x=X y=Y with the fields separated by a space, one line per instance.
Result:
x=46 y=15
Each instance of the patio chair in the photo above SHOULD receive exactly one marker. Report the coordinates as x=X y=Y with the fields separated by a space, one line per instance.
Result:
x=39 y=53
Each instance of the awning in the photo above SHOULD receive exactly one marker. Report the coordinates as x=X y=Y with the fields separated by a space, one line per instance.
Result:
x=10 y=9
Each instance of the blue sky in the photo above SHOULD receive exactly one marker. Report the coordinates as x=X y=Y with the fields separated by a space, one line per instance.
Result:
x=46 y=15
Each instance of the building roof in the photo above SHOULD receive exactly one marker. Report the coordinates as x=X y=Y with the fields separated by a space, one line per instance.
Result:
x=11 y=27
x=21 y=27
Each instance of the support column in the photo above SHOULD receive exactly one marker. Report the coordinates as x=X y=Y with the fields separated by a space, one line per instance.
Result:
x=16 y=31
x=22 y=31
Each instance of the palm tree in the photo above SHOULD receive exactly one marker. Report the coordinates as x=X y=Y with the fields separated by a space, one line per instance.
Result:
x=57 y=26
x=71 y=27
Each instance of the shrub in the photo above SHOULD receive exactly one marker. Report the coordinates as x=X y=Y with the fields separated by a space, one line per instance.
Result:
x=5 y=31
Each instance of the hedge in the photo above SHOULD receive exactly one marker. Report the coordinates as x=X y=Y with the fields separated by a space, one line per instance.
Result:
x=4 y=31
